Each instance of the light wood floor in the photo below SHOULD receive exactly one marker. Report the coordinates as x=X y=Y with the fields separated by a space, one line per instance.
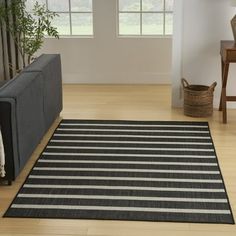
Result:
x=131 y=103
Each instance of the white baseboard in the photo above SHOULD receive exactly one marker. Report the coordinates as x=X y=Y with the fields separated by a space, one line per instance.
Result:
x=117 y=79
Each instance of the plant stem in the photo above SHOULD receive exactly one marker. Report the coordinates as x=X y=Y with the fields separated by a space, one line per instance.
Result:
x=29 y=59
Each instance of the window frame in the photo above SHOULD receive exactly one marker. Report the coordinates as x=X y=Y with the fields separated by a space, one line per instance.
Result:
x=164 y=12
x=70 y=22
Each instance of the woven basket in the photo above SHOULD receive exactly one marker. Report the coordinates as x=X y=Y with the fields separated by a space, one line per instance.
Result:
x=198 y=99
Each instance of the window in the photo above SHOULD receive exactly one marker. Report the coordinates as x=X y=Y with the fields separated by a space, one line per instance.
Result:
x=145 y=17
x=75 y=16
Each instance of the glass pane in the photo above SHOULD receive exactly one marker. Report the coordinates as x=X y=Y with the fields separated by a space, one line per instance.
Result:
x=58 y=5
x=30 y=4
x=62 y=22
x=153 y=5
x=169 y=24
x=82 y=23
x=169 y=5
x=81 y=5
x=129 y=5
x=129 y=24
x=152 y=23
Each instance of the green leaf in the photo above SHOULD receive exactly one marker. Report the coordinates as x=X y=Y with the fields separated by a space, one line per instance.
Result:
x=29 y=29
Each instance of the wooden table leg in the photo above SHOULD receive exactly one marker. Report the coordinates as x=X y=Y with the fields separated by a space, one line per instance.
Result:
x=222 y=78
x=224 y=106
x=223 y=94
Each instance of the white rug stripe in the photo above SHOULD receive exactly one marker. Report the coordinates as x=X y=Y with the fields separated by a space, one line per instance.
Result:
x=128 y=170
x=127 y=142
x=110 y=208
x=126 y=179
x=133 y=125
x=52 y=186
x=128 y=162
x=138 y=130
x=130 y=198
x=125 y=155
x=130 y=148
x=130 y=136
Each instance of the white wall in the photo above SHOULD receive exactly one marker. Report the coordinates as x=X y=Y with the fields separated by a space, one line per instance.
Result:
x=199 y=27
x=109 y=59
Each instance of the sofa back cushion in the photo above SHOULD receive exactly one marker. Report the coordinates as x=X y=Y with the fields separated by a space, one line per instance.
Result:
x=50 y=67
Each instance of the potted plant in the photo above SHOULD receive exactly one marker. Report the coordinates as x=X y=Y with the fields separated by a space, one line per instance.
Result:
x=27 y=29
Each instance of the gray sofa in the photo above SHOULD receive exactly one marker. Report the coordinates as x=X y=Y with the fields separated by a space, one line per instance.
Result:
x=29 y=104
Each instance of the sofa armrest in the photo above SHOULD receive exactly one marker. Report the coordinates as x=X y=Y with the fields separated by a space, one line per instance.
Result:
x=25 y=96
x=8 y=125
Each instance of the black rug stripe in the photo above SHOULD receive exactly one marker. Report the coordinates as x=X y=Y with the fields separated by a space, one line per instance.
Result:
x=126 y=174
x=128 y=158
x=117 y=151
x=127 y=183
x=127 y=122
x=126 y=170
x=153 y=134
x=127 y=127
x=131 y=145
x=73 y=191
x=120 y=203
x=156 y=139
x=106 y=215
x=128 y=166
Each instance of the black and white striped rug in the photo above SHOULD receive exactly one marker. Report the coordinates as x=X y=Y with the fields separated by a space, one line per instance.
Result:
x=126 y=170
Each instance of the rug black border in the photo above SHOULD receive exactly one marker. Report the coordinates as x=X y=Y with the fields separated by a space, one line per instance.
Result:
x=169 y=221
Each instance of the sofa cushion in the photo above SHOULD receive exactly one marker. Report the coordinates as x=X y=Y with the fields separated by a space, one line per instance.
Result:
x=50 y=67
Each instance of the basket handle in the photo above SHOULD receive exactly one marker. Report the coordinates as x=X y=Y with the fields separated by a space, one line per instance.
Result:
x=212 y=87
x=184 y=83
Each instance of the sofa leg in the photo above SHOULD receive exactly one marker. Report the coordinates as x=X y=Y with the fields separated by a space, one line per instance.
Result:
x=4 y=182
